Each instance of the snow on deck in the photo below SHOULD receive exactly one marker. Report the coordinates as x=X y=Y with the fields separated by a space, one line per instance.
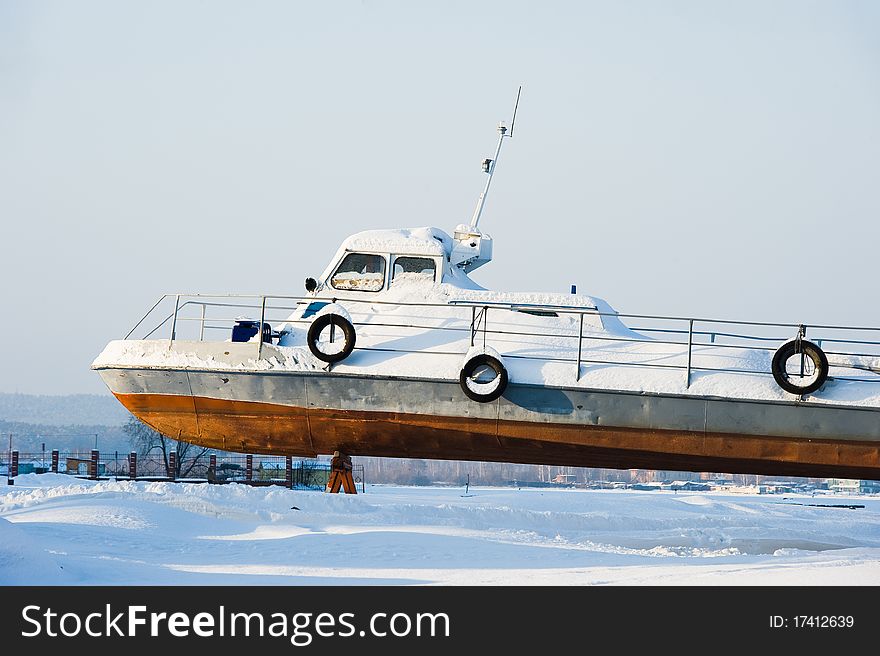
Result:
x=422 y=341
x=54 y=529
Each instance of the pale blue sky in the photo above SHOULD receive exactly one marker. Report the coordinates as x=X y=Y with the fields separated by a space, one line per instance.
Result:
x=688 y=158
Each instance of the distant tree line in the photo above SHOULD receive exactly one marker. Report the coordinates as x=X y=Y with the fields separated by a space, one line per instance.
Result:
x=147 y=441
x=405 y=471
x=29 y=438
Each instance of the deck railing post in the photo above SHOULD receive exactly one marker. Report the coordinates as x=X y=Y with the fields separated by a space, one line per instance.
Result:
x=802 y=333
x=262 y=320
x=580 y=342
x=202 y=325
x=174 y=320
x=473 y=324
x=690 y=351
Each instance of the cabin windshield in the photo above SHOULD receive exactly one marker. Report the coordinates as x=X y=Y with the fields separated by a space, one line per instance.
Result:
x=360 y=272
x=414 y=268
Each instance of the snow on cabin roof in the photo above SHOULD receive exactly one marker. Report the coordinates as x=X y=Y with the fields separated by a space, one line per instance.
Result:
x=408 y=241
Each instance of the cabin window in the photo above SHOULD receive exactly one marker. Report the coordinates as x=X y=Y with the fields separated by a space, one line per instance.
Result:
x=360 y=272
x=419 y=268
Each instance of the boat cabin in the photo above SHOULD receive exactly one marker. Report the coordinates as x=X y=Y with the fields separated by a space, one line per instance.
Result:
x=373 y=260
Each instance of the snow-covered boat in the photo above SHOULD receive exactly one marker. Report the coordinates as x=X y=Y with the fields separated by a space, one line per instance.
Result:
x=395 y=351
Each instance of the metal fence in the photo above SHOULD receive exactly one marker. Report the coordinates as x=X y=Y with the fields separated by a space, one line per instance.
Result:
x=693 y=344
x=207 y=468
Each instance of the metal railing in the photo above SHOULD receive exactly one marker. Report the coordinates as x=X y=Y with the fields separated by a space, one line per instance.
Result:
x=207 y=467
x=855 y=355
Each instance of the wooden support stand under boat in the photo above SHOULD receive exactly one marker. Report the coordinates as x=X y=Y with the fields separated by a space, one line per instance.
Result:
x=340 y=474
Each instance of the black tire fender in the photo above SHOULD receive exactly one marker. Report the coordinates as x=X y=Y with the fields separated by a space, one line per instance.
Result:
x=472 y=390
x=811 y=352
x=338 y=321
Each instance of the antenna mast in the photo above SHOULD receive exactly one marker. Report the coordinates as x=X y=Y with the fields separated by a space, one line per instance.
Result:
x=489 y=164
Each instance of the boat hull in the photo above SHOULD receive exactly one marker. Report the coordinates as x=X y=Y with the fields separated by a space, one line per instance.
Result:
x=311 y=413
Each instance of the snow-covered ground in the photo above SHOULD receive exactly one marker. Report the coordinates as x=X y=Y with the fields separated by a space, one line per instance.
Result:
x=55 y=529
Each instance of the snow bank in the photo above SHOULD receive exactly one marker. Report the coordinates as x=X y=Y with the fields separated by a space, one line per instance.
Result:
x=24 y=561
x=122 y=533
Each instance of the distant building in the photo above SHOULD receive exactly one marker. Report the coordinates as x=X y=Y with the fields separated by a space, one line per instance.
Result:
x=688 y=486
x=667 y=475
x=82 y=466
x=648 y=487
x=851 y=486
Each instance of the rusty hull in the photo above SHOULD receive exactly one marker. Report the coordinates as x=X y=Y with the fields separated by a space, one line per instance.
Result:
x=281 y=428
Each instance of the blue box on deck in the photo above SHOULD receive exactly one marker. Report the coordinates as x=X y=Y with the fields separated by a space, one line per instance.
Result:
x=245 y=329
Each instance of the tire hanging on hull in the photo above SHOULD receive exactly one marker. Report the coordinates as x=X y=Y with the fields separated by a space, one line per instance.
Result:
x=475 y=369
x=810 y=353
x=332 y=321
